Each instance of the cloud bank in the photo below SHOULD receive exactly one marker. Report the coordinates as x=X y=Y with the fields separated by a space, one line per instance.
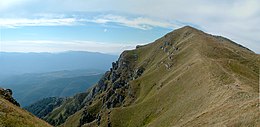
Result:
x=55 y=46
x=142 y=23
x=235 y=19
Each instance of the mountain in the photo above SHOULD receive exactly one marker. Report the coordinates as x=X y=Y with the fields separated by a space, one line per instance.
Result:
x=29 y=88
x=11 y=115
x=61 y=111
x=43 y=107
x=185 y=78
x=48 y=62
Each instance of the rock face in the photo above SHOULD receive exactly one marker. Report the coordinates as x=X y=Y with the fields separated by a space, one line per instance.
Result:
x=113 y=88
x=186 y=78
x=68 y=107
x=7 y=94
x=110 y=92
x=86 y=117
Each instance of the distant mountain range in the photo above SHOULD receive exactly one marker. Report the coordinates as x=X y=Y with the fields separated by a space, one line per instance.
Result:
x=34 y=76
x=32 y=87
x=12 y=63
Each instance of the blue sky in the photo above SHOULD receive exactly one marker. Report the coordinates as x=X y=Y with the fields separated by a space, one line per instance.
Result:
x=111 y=26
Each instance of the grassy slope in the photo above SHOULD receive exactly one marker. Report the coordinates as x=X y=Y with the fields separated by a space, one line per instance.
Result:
x=212 y=82
x=67 y=108
x=13 y=116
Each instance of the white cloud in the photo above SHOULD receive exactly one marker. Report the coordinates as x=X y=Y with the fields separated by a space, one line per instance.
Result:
x=61 y=20
x=4 y=4
x=55 y=46
x=139 y=22
x=12 y=23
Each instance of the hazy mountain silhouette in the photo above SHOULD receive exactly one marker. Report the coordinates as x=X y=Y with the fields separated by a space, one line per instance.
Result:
x=12 y=63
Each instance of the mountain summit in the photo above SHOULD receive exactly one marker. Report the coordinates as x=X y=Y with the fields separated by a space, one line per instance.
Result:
x=185 y=78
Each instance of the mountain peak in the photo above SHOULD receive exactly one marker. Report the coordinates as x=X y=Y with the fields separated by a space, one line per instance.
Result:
x=192 y=35
x=179 y=76
x=189 y=28
x=184 y=32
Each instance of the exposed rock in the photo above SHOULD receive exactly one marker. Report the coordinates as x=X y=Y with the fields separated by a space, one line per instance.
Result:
x=114 y=86
x=115 y=101
x=135 y=57
x=115 y=65
x=114 y=76
x=161 y=47
x=168 y=65
x=86 y=117
x=139 y=46
x=118 y=84
x=166 y=44
x=109 y=94
x=102 y=84
x=138 y=72
x=108 y=119
x=7 y=94
x=98 y=119
x=186 y=34
x=165 y=50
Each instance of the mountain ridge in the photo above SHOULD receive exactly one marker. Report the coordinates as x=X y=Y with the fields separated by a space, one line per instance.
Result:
x=185 y=78
x=47 y=62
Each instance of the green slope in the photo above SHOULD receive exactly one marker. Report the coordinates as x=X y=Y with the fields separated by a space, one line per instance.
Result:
x=186 y=78
x=13 y=116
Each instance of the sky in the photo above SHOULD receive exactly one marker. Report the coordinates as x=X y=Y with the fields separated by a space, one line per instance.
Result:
x=111 y=26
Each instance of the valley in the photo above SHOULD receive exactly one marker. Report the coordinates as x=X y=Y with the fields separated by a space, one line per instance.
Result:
x=29 y=88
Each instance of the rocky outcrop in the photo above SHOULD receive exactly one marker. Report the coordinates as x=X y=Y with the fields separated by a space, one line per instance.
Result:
x=86 y=117
x=114 y=86
x=7 y=94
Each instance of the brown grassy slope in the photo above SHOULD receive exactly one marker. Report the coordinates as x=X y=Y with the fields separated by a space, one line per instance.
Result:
x=13 y=116
x=195 y=80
